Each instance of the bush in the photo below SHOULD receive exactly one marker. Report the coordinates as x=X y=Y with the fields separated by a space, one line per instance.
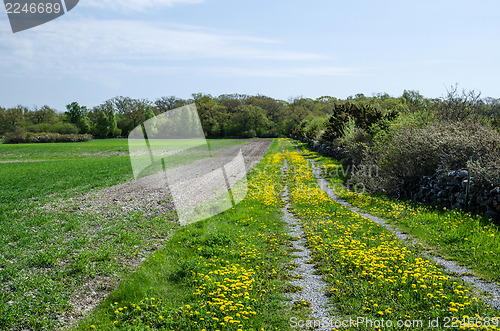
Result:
x=355 y=141
x=61 y=128
x=29 y=137
x=249 y=134
x=365 y=117
x=117 y=132
x=486 y=171
x=409 y=153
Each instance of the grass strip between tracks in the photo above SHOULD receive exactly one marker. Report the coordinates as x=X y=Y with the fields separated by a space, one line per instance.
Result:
x=465 y=238
x=371 y=274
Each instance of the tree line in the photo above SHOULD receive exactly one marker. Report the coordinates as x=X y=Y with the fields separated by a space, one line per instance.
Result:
x=249 y=116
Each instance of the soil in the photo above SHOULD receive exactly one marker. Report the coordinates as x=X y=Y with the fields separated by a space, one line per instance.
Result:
x=151 y=196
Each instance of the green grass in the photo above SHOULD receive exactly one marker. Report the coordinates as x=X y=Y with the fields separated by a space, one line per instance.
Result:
x=465 y=238
x=47 y=254
x=26 y=183
x=231 y=267
x=371 y=274
x=64 y=151
x=94 y=148
x=228 y=272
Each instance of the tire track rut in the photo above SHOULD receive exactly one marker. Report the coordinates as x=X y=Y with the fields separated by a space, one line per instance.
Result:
x=313 y=287
x=460 y=272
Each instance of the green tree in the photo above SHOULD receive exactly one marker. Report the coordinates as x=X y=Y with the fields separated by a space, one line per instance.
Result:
x=164 y=104
x=150 y=116
x=149 y=113
x=277 y=112
x=2 y=120
x=102 y=127
x=132 y=112
x=45 y=115
x=364 y=116
x=13 y=118
x=251 y=121
x=113 y=126
x=108 y=108
x=213 y=116
x=78 y=115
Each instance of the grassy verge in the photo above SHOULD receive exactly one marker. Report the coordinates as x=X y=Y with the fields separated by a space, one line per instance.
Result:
x=371 y=274
x=48 y=255
x=228 y=272
x=456 y=235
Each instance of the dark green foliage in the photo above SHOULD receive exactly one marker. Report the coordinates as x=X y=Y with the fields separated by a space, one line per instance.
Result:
x=101 y=128
x=78 y=115
x=249 y=121
x=239 y=115
x=61 y=128
x=11 y=118
x=42 y=115
x=366 y=117
x=113 y=126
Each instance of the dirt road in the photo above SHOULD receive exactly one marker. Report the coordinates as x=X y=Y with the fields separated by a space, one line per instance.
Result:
x=151 y=195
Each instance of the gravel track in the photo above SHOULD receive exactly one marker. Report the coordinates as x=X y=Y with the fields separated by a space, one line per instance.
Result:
x=149 y=195
x=493 y=290
x=313 y=287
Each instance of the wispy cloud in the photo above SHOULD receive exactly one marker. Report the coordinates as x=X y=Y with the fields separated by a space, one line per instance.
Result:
x=135 y=4
x=273 y=72
x=81 y=46
x=111 y=54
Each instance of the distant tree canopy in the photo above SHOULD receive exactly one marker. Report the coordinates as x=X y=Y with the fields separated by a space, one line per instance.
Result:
x=239 y=115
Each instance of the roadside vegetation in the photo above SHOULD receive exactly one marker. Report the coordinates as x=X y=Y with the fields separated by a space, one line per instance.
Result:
x=371 y=274
x=417 y=148
x=468 y=239
x=228 y=272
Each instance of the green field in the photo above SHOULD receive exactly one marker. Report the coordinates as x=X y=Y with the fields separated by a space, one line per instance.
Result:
x=47 y=254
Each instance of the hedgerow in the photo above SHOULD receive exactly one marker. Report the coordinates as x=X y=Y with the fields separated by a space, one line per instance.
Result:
x=30 y=137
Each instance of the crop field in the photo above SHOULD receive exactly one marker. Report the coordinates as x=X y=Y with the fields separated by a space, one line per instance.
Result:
x=63 y=268
x=48 y=256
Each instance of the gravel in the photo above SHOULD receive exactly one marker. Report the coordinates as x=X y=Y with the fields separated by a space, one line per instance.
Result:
x=151 y=194
x=313 y=286
x=492 y=290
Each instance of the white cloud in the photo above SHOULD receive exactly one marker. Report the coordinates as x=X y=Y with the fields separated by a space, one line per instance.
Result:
x=96 y=41
x=135 y=4
x=106 y=51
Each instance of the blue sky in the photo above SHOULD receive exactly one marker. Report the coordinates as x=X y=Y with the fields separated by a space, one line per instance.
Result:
x=153 y=48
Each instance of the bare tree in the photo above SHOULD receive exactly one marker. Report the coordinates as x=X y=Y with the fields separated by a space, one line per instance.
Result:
x=461 y=106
